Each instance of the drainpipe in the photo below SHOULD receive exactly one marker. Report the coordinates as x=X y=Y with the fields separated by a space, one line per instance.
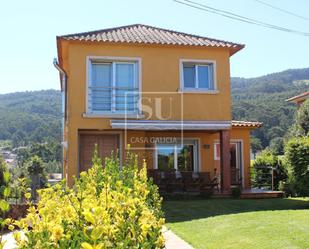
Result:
x=62 y=74
x=63 y=80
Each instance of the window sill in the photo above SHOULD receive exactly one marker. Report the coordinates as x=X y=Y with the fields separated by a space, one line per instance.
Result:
x=113 y=115
x=198 y=91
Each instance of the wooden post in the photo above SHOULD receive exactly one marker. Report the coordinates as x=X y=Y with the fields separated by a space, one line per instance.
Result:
x=225 y=162
x=272 y=178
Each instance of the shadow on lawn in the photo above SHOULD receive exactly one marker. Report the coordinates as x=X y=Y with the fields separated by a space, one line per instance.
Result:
x=186 y=210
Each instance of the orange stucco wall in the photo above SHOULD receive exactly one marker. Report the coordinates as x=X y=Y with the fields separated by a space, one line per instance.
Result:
x=160 y=72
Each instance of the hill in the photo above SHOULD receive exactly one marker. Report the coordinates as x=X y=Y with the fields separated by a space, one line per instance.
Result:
x=35 y=116
x=30 y=116
x=263 y=99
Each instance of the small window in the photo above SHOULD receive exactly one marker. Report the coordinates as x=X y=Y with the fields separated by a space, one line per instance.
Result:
x=198 y=76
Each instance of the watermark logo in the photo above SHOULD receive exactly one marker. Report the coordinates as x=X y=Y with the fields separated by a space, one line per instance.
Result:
x=153 y=118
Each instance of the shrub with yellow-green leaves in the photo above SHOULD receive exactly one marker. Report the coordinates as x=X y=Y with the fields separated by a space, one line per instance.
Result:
x=108 y=207
x=4 y=194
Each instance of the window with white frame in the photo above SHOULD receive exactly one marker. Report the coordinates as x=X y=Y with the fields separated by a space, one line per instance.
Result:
x=113 y=87
x=178 y=156
x=198 y=76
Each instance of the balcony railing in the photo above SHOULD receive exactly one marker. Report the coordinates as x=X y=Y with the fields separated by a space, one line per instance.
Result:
x=113 y=99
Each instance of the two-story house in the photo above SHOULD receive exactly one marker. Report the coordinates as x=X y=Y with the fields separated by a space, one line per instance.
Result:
x=165 y=93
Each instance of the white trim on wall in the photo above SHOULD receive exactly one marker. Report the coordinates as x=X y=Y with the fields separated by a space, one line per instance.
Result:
x=193 y=90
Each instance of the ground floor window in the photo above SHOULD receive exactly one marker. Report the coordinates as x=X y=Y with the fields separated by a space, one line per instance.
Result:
x=178 y=156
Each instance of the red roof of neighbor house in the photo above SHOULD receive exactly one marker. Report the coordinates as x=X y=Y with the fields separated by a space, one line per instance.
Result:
x=248 y=124
x=299 y=97
x=144 y=34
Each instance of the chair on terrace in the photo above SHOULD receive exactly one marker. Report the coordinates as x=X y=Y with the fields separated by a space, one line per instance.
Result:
x=159 y=179
x=191 y=181
x=208 y=184
x=174 y=181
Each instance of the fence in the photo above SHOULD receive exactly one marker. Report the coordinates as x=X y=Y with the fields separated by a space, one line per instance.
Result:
x=263 y=177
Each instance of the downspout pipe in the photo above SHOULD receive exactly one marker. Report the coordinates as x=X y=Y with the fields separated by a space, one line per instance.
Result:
x=63 y=80
x=63 y=86
x=62 y=73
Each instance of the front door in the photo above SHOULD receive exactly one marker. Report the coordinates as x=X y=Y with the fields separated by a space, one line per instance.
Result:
x=107 y=143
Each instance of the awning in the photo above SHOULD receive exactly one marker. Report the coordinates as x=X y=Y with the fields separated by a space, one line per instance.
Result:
x=170 y=125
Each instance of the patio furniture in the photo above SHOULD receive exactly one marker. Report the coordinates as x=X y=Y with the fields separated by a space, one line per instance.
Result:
x=191 y=183
x=174 y=181
x=159 y=179
x=208 y=184
x=178 y=181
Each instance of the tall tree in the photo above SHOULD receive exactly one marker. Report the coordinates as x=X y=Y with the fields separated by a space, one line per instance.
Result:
x=302 y=119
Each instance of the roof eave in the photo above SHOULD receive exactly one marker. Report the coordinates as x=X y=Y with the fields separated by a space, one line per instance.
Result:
x=298 y=98
x=232 y=50
x=246 y=124
x=236 y=49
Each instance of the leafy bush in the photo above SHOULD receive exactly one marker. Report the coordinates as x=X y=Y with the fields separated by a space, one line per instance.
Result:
x=263 y=165
x=302 y=119
x=53 y=167
x=297 y=154
x=4 y=193
x=287 y=187
x=37 y=174
x=276 y=146
x=107 y=208
x=4 y=187
x=256 y=145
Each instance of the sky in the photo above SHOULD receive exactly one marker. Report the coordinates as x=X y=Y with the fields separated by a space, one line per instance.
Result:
x=29 y=29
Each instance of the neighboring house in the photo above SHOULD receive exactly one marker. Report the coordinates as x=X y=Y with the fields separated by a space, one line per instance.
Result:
x=165 y=93
x=299 y=99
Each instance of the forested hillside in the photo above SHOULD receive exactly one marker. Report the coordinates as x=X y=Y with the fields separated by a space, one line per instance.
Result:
x=27 y=117
x=263 y=99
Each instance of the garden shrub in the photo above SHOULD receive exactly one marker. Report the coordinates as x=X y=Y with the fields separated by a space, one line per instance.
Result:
x=302 y=119
x=107 y=208
x=4 y=186
x=297 y=155
x=37 y=174
x=4 y=194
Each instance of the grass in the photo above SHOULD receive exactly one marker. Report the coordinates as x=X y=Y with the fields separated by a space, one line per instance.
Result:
x=236 y=223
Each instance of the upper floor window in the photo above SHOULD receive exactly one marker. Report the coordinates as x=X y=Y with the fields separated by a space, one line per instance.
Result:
x=198 y=76
x=113 y=86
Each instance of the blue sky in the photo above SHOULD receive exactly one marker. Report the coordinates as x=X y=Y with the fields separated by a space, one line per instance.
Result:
x=29 y=29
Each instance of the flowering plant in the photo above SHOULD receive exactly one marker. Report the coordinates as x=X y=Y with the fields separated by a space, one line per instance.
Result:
x=108 y=207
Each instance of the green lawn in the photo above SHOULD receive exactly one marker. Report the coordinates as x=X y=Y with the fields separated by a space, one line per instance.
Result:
x=233 y=223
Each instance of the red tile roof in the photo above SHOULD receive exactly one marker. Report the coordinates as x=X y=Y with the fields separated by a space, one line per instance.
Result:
x=249 y=124
x=299 y=97
x=144 y=34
